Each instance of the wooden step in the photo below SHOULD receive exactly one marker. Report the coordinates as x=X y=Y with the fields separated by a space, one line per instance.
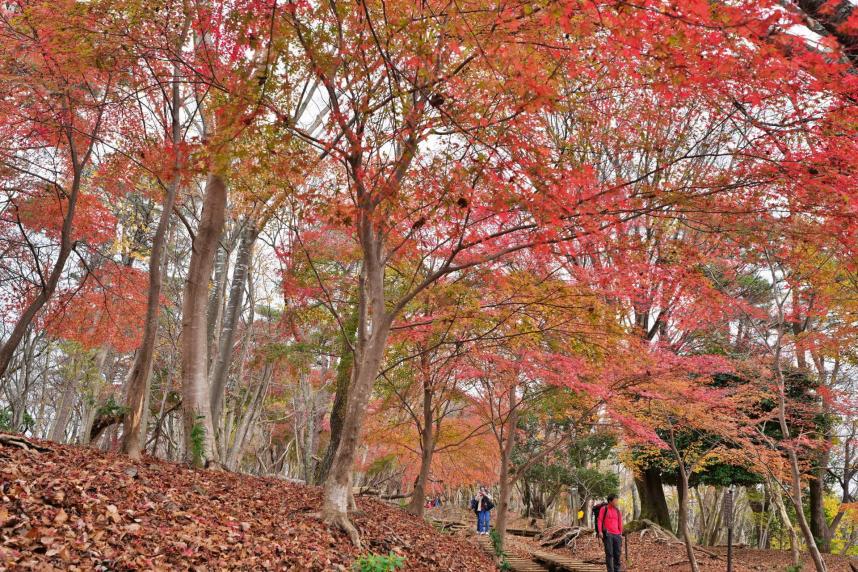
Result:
x=516 y=563
x=525 y=565
x=564 y=563
x=526 y=532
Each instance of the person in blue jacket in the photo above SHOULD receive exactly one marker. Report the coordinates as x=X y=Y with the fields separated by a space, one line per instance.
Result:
x=482 y=505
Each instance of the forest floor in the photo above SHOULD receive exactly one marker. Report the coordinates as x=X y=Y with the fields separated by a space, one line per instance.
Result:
x=648 y=555
x=75 y=508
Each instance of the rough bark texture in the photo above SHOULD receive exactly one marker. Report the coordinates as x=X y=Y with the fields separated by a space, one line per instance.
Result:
x=196 y=401
x=653 y=501
x=427 y=448
x=345 y=369
x=816 y=496
x=372 y=339
x=506 y=480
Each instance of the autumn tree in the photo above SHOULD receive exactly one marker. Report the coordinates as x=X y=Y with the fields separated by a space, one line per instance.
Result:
x=60 y=78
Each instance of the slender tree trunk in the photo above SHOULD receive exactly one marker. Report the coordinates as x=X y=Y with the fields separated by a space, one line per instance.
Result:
x=427 y=449
x=233 y=458
x=636 y=507
x=786 y=522
x=787 y=444
x=345 y=369
x=795 y=473
x=339 y=482
x=506 y=476
x=307 y=405
x=231 y=317
x=136 y=416
x=64 y=410
x=214 y=313
x=196 y=395
x=372 y=340
x=716 y=519
x=683 y=509
x=816 y=497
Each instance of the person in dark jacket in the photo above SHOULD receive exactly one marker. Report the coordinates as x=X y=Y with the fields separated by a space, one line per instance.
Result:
x=482 y=505
x=609 y=525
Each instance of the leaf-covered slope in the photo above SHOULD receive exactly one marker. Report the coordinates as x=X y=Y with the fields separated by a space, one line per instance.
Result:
x=73 y=508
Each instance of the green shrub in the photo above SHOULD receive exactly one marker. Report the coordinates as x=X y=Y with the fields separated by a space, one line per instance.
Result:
x=198 y=437
x=503 y=563
x=379 y=563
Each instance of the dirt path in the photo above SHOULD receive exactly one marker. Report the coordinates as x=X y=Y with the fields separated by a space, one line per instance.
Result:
x=647 y=555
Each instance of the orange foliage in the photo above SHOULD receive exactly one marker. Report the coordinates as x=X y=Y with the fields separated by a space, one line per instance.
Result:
x=458 y=460
x=93 y=221
x=107 y=309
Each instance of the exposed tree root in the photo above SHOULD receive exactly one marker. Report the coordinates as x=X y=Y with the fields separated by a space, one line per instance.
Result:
x=18 y=441
x=560 y=536
x=342 y=521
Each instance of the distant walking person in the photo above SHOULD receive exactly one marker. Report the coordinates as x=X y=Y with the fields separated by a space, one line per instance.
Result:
x=609 y=525
x=482 y=505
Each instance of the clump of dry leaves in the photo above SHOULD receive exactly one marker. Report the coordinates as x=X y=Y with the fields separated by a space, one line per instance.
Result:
x=74 y=508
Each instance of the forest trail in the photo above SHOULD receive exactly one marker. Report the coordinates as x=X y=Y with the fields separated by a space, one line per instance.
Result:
x=522 y=557
x=645 y=554
x=516 y=563
x=77 y=508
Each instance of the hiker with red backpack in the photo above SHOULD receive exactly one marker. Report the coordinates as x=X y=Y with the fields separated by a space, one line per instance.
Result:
x=609 y=527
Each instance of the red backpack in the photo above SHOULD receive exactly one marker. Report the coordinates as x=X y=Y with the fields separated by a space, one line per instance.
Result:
x=596 y=510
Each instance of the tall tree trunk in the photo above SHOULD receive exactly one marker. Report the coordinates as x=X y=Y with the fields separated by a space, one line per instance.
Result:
x=682 y=493
x=653 y=502
x=308 y=404
x=339 y=482
x=373 y=329
x=683 y=519
x=233 y=458
x=427 y=448
x=196 y=395
x=795 y=469
x=67 y=399
x=231 y=316
x=717 y=519
x=816 y=497
x=137 y=400
x=506 y=477
x=786 y=522
x=345 y=369
x=214 y=313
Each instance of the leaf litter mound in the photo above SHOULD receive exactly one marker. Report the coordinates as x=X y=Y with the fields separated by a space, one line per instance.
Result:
x=75 y=508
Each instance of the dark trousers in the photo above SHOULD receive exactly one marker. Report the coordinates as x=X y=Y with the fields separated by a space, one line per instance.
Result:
x=613 y=551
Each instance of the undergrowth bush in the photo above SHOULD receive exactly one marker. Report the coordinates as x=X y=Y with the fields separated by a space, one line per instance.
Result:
x=379 y=563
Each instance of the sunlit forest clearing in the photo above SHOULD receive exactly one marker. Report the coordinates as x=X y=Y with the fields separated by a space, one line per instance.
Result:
x=439 y=285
